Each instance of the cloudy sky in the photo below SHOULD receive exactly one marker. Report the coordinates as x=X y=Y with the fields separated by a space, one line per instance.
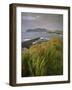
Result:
x=37 y=20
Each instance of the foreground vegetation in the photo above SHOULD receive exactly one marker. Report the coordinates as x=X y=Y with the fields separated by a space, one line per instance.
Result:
x=43 y=59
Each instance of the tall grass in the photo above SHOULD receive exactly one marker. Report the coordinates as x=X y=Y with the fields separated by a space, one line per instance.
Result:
x=43 y=59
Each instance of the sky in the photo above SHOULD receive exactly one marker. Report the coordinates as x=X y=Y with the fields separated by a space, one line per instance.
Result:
x=38 y=20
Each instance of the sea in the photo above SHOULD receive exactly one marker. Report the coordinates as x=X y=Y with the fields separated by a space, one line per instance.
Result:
x=25 y=36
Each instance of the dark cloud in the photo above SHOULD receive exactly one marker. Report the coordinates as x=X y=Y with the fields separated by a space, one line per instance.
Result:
x=37 y=20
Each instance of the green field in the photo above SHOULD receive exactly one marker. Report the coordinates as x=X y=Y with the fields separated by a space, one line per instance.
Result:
x=43 y=59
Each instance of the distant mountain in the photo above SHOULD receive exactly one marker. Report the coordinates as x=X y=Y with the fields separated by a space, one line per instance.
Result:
x=37 y=30
x=45 y=30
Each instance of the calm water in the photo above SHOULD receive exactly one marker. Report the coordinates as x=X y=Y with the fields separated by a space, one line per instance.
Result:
x=33 y=35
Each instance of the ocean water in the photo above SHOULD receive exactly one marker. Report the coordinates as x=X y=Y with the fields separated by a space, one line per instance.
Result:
x=32 y=35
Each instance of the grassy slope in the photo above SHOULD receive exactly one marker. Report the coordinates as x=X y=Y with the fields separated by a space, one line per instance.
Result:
x=43 y=59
